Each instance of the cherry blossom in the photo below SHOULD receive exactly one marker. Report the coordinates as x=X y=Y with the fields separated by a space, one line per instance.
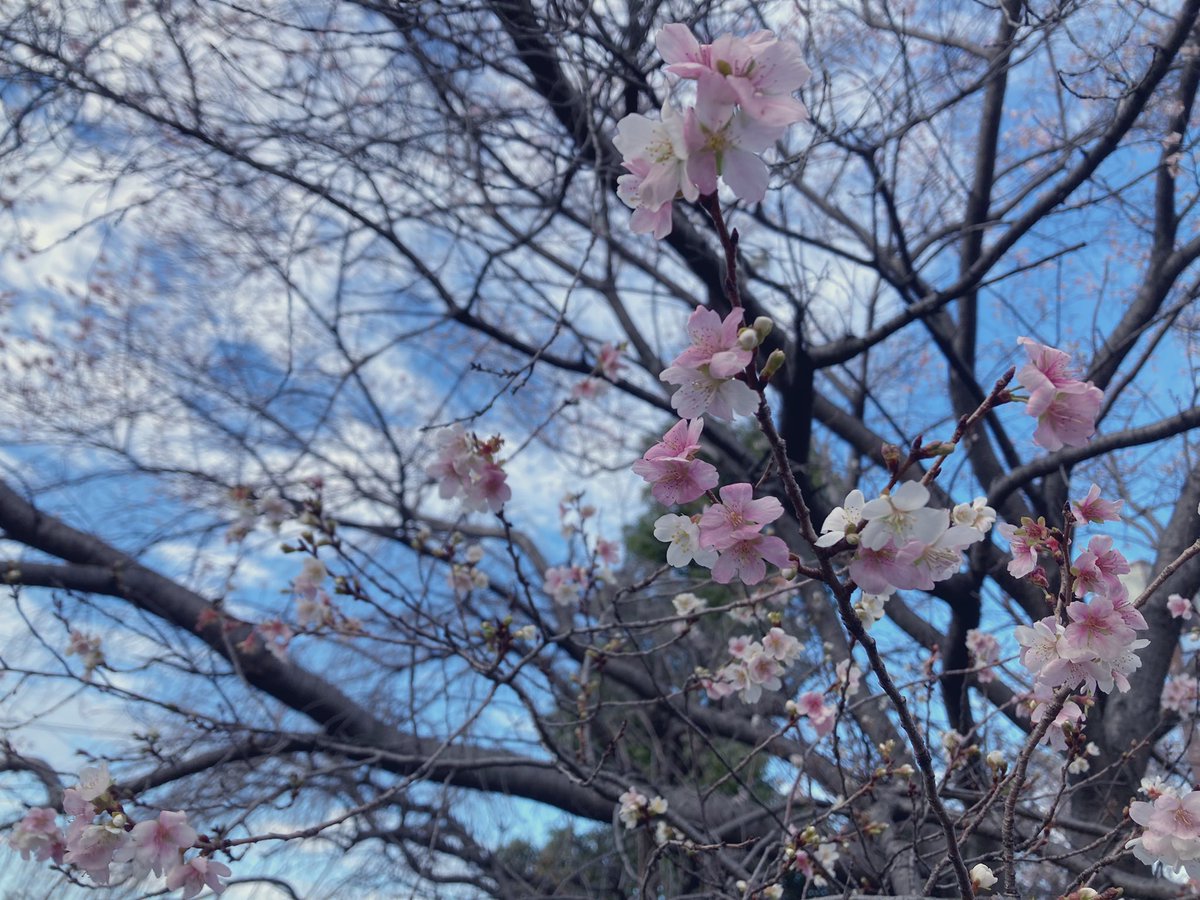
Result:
x=682 y=441
x=38 y=834
x=760 y=71
x=657 y=220
x=714 y=344
x=746 y=559
x=466 y=467
x=1025 y=543
x=976 y=514
x=1181 y=694
x=683 y=536
x=661 y=144
x=155 y=845
x=724 y=145
x=821 y=716
x=1179 y=606
x=195 y=874
x=1171 y=834
x=901 y=517
x=985 y=650
x=674 y=480
x=701 y=392
x=1094 y=510
x=1065 y=407
x=565 y=584
x=842 y=523
x=738 y=517
x=940 y=559
x=881 y=571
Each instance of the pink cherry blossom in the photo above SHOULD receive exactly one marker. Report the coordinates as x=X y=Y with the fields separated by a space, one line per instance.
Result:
x=1096 y=630
x=660 y=143
x=155 y=845
x=1039 y=643
x=714 y=344
x=724 y=145
x=780 y=645
x=940 y=559
x=881 y=571
x=1179 y=606
x=195 y=874
x=466 y=467
x=985 y=650
x=38 y=834
x=1181 y=694
x=609 y=361
x=738 y=517
x=674 y=480
x=682 y=440
x=812 y=705
x=1025 y=543
x=646 y=219
x=1065 y=408
x=91 y=848
x=1094 y=510
x=761 y=71
x=746 y=559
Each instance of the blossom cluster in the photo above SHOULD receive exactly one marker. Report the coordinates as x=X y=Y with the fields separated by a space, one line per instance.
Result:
x=743 y=105
x=635 y=808
x=900 y=543
x=467 y=467
x=1096 y=644
x=755 y=666
x=100 y=835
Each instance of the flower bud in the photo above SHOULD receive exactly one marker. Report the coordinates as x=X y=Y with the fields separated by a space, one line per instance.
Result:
x=774 y=363
x=762 y=327
x=747 y=339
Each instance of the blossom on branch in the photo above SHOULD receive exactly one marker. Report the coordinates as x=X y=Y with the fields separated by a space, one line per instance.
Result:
x=1065 y=407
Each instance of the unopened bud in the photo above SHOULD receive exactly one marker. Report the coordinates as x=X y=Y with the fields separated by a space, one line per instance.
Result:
x=892 y=455
x=762 y=327
x=119 y=820
x=774 y=364
x=747 y=339
x=788 y=573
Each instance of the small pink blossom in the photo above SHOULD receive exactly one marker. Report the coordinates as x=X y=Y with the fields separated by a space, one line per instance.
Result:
x=738 y=517
x=681 y=441
x=880 y=571
x=746 y=559
x=195 y=874
x=156 y=844
x=674 y=480
x=714 y=344
x=1094 y=510
x=1179 y=606
x=812 y=706
x=1181 y=694
x=1096 y=630
x=609 y=361
x=985 y=650
x=646 y=219
x=760 y=71
x=38 y=834
x=1065 y=408
x=91 y=848
x=724 y=145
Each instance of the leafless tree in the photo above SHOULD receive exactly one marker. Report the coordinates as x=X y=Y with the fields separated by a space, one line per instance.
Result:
x=255 y=254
